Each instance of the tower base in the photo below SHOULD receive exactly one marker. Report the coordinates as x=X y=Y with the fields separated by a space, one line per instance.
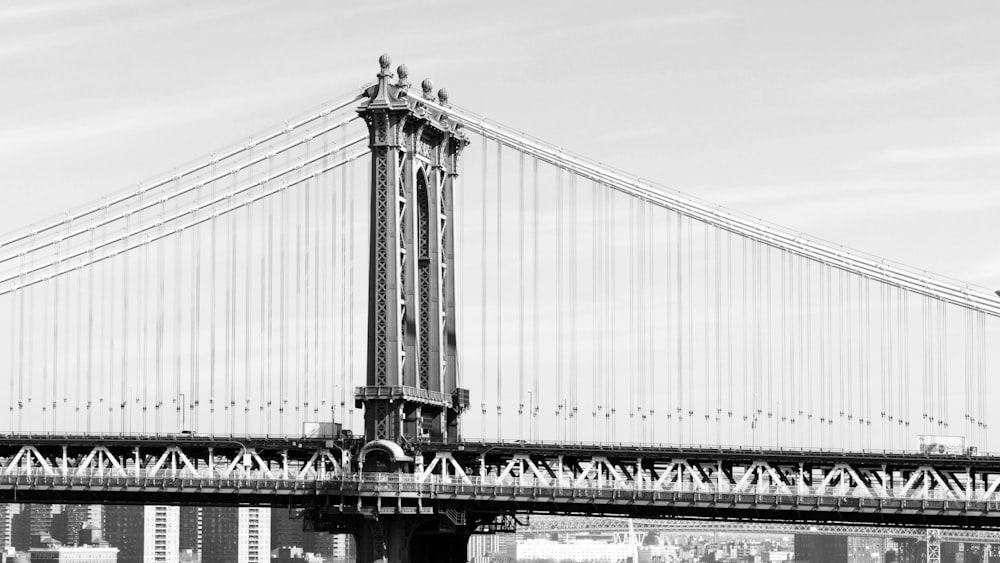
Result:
x=404 y=538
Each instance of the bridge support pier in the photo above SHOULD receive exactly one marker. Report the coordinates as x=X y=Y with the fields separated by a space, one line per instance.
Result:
x=395 y=537
x=410 y=539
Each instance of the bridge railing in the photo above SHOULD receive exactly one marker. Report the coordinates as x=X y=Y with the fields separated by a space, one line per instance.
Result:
x=408 y=484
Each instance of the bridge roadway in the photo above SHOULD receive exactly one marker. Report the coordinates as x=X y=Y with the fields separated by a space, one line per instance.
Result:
x=340 y=477
x=621 y=527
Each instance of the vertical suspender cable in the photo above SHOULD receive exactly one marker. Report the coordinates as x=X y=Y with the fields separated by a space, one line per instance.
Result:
x=536 y=368
x=484 y=277
x=786 y=338
x=668 y=315
x=944 y=361
x=520 y=294
x=610 y=299
x=125 y=326
x=212 y=323
x=348 y=207
x=595 y=230
x=718 y=336
x=746 y=343
x=160 y=312
x=248 y=246
x=302 y=406
x=569 y=414
x=143 y=348
x=634 y=354
x=560 y=301
x=340 y=357
x=690 y=328
x=867 y=361
x=499 y=300
x=320 y=396
x=729 y=330
x=770 y=332
x=55 y=349
x=231 y=327
x=705 y=328
x=79 y=347
x=680 y=330
x=295 y=337
x=14 y=368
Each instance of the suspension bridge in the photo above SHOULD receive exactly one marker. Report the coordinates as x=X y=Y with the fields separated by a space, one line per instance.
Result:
x=542 y=334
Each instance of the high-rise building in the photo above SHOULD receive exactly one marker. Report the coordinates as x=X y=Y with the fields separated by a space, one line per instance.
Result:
x=286 y=529
x=143 y=533
x=482 y=547
x=191 y=528
x=77 y=554
x=820 y=549
x=77 y=517
x=6 y=519
x=31 y=525
x=238 y=535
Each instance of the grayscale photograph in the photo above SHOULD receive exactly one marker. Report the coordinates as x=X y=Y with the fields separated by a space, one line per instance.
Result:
x=498 y=282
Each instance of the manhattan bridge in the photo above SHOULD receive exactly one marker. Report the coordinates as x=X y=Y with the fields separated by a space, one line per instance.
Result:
x=486 y=327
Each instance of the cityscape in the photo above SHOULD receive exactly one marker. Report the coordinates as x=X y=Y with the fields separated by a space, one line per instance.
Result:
x=189 y=534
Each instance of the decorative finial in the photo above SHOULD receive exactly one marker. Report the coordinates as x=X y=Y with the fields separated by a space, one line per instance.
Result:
x=403 y=83
x=428 y=87
x=443 y=96
x=385 y=62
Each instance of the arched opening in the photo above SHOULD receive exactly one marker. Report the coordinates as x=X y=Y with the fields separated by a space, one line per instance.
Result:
x=383 y=456
x=423 y=247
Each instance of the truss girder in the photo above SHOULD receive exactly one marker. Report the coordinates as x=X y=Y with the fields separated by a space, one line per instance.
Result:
x=855 y=488
x=606 y=525
x=876 y=479
x=159 y=462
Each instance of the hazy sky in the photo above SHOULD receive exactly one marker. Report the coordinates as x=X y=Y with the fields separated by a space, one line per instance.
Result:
x=875 y=125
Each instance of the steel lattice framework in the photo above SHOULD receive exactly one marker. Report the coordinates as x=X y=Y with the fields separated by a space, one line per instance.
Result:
x=562 y=524
x=884 y=489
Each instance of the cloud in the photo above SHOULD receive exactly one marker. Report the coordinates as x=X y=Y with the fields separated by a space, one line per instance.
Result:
x=988 y=148
x=646 y=22
x=868 y=86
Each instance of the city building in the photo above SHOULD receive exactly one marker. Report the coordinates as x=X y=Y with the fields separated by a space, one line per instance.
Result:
x=238 y=534
x=580 y=550
x=77 y=517
x=143 y=533
x=294 y=555
x=191 y=528
x=286 y=529
x=6 y=517
x=76 y=554
x=482 y=547
x=31 y=525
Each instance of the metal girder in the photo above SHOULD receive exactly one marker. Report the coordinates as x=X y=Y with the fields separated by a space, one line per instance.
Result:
x=848 y=488
x=577 y=524
x=154 y=460
x=815 y=475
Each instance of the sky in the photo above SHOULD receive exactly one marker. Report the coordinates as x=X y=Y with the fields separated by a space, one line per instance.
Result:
x=875 y=126
x=872 y=126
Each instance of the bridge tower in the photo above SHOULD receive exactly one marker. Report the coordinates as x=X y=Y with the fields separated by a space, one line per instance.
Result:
x=411 y=393
x=412 y=388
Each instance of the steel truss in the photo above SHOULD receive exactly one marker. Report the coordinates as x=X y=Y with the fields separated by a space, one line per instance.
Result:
x=877 y=488
x=564 y=524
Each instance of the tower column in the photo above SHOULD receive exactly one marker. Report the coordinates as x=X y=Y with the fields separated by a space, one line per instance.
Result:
x=411 y=390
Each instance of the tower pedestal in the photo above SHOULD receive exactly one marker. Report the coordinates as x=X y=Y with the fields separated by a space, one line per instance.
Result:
x=400 y=538
x=410 y=539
